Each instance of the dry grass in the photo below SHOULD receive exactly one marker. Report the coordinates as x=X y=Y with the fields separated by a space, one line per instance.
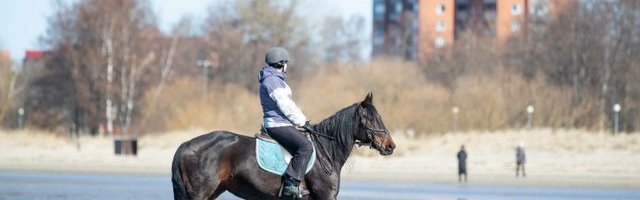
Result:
x=402 y=94
x=493 y=102
x=229 y=107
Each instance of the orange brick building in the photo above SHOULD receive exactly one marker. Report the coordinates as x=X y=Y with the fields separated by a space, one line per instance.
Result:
x=5 y=60
x=436 y=24
x=512 y=18
x=5 y=56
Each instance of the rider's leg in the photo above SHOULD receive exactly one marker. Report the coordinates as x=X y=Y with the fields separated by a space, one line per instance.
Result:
x=301 y=150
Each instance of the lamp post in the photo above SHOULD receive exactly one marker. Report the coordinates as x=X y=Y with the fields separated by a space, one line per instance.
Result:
x=20 y=118
x=110 y=115
x=455 y=111
x=616 y=118
x=205 y=64
x=529 y=116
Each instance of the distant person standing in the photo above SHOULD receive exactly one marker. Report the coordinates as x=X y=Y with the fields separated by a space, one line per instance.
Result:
x=521 y=159
x=462 y=164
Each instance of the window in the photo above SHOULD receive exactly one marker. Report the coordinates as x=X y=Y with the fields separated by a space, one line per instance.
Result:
x=378 y=35
x=515 y=26
x=378 y=12
x=413 y=5
x=395 y=11
x=440 y=42
x=539 y=10
x=398 y=7
x=440 y=26
x=440 y=9
x=516 y=9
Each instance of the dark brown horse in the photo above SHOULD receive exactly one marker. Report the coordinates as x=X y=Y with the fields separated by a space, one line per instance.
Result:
x=208 y=165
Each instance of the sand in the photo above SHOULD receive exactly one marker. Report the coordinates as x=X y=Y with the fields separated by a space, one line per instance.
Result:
x=554 y=157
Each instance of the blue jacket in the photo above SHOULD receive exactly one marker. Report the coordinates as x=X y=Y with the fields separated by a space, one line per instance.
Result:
x=276 y=99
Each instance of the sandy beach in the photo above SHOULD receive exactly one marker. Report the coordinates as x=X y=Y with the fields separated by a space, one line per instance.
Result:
x=554 y=157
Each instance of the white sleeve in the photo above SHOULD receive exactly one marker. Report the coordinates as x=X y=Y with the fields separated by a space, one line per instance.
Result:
x=288 y=107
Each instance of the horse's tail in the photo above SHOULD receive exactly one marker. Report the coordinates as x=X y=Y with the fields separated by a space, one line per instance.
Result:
x=179 y=176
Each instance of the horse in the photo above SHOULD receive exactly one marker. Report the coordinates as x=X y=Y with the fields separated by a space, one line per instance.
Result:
x=208 y=165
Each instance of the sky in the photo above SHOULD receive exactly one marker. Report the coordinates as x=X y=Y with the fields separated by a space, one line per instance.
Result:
x=23 y=22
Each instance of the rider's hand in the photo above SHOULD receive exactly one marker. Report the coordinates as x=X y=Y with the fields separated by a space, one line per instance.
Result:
x=307 y=126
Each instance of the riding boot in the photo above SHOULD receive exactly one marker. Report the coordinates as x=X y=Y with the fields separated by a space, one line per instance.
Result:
x=291 y=188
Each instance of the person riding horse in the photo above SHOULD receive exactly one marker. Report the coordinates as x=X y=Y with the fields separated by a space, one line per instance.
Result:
x=280 y=114
x=221 y=161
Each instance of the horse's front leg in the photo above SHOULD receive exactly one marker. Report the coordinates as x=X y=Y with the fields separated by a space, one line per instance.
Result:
x=322 y=187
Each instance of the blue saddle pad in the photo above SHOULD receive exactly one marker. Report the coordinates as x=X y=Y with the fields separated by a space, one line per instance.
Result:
x=271 y=157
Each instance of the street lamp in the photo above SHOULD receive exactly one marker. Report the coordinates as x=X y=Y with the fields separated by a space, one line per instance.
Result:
x=529 y=116
x=455 y=111
x=205 y=64
x=616 y=118
x=20 y=118
x=110 y=112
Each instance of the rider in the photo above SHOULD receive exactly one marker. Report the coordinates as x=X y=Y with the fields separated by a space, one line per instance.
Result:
x=280 y=114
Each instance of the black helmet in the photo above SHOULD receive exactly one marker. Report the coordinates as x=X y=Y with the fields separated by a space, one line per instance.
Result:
x=276 y=55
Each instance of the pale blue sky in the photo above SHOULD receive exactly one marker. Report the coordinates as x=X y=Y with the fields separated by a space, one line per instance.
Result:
x=22 y=22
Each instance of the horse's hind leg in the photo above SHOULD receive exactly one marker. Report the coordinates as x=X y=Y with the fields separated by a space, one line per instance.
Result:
x=204 y=188
x=223 y=174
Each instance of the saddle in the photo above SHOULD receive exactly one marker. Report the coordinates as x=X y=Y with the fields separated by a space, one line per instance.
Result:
x=274 y=158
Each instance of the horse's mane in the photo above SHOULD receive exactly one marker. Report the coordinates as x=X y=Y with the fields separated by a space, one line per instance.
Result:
x=342 y=126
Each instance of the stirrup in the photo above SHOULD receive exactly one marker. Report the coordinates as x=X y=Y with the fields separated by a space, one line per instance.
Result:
x=302 y=192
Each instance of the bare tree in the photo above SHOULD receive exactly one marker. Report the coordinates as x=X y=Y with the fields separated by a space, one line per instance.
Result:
x=107 y=46
x=175 y=54
x=626 y=63
x=240 y=32
x=585 y=47
x=7 y=79
x=342 y=39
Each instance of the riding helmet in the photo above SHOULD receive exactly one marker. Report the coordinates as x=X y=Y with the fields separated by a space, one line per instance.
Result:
x=275 y=55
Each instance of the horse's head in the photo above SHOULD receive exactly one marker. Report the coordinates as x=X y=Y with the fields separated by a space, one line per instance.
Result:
x=371 y=130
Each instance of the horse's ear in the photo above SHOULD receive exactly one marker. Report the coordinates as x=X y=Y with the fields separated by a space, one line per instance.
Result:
x=368 y=100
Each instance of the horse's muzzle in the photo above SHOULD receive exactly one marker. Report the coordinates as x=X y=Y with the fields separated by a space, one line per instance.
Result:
x=387 y=150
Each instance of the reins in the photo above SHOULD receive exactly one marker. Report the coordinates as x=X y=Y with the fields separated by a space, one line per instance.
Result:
x=370 y=133
x=320 y=134
x=323 y=151
x=326 y=169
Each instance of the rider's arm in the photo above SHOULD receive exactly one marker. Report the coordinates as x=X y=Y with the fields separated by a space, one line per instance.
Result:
x=289 y=108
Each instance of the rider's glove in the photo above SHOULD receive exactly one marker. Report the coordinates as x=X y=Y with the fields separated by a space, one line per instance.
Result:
x=307 y=126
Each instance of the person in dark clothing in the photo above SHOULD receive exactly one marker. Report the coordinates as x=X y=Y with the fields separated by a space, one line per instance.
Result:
x=462 y=164
x=521 y=159
x=280 y=115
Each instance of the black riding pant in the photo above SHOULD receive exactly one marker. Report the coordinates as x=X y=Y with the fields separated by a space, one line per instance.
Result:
x=298 y=146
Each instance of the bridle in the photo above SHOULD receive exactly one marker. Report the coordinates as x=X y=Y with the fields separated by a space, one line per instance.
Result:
x=371 y=133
